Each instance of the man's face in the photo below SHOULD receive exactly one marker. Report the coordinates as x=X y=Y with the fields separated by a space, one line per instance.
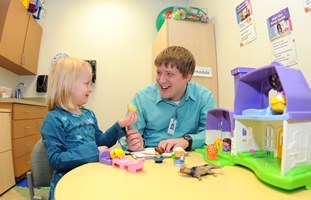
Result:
x=171 y=83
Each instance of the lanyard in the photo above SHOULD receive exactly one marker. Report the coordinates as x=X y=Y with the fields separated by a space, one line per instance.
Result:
x=173 y=122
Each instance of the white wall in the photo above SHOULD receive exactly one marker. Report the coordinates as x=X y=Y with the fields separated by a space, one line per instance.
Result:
x=119 y=34
x=258 y=53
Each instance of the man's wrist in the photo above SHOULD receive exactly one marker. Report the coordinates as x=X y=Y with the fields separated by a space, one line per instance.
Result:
x=189 y=139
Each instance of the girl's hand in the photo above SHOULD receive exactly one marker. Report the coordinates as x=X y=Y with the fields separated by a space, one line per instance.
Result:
x=103 y=148
x=128 y=120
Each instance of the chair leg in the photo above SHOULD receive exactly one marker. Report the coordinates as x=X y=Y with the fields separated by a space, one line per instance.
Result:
x=30 y=185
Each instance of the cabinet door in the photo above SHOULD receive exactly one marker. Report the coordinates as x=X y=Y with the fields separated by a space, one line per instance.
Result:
x=5 y=132
x=13 y=31
x=20 y=37
x=32 y=46
x=199 y=39
x=6 y=173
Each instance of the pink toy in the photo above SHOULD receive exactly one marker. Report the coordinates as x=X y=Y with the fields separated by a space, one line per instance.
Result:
x=135 y=166
x=129 y=165
x=120 y=162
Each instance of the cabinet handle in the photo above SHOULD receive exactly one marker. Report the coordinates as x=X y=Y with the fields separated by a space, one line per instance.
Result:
x=28 y=145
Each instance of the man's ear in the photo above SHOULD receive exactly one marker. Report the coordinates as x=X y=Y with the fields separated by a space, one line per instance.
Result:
x=188 y=76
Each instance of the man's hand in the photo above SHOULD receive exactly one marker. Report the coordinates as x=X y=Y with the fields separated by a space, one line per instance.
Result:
x=134 y=140
x=171 y=144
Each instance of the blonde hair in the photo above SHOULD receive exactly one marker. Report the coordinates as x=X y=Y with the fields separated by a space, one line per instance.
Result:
x=62 y=76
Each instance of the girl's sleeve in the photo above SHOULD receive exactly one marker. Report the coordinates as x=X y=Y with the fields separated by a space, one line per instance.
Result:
x=62 y=155
x=111 y=136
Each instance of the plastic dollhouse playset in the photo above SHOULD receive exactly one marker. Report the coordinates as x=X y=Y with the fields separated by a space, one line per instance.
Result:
x=269 y=130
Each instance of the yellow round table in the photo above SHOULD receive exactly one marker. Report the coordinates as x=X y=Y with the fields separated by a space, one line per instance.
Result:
x=96 y=181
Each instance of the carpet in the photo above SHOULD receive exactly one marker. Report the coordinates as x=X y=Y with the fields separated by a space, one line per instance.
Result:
x=23 y=191
x=22 y=188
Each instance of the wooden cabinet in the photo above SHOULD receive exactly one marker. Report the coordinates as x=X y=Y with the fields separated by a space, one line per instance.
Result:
x=26 y=125
x=20 y=37
x=196 y=37
x=6 y=163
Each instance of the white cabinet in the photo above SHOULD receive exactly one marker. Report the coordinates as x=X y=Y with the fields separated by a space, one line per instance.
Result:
x=6 y=163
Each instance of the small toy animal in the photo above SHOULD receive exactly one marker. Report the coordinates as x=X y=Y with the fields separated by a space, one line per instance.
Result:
x=198 y=171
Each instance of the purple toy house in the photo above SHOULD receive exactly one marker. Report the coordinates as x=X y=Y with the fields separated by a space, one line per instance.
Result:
x=286 y=133
x=219 y=124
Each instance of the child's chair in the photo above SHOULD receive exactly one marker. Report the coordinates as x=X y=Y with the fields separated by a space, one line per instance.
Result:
x=41 y=173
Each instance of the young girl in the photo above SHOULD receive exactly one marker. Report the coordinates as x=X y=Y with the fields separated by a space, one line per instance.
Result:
x=70 y=132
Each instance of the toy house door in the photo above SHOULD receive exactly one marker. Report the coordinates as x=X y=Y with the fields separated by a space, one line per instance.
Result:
x=295 y=145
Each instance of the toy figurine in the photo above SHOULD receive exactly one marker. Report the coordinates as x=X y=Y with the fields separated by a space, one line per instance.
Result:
x=158 y=158
x=226 y=144
x=212 y=152
x=178 y=156
x=278 y=103
x=199 y=171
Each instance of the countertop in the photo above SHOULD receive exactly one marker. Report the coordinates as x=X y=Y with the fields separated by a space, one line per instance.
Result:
x=28 y=101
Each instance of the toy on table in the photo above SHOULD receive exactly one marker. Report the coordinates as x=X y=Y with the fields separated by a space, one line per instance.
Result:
x=274 y=145
x=178 y=156
x=106 y=157
x=158 y=158
x=212 y=152
x=116 y=157
x=226 y=144
x=198 y=171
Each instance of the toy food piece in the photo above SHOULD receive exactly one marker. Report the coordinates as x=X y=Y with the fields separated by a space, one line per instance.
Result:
x=117 y=153
x=131 y=108
x=198 y=171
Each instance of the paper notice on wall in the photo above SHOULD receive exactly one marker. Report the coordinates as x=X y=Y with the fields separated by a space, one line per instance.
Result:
x=307 y=6
x=284 y=50
x=203 y=71
x=246 y=23
x=282 y=38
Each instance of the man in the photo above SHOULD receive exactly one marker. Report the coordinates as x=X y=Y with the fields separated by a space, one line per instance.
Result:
x=171 y=112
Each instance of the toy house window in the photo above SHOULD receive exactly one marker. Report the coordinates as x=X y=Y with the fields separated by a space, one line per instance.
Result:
x=269 y=138
x=244 y=132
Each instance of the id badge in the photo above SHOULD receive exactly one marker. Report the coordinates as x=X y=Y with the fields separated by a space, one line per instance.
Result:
x=172 y=126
